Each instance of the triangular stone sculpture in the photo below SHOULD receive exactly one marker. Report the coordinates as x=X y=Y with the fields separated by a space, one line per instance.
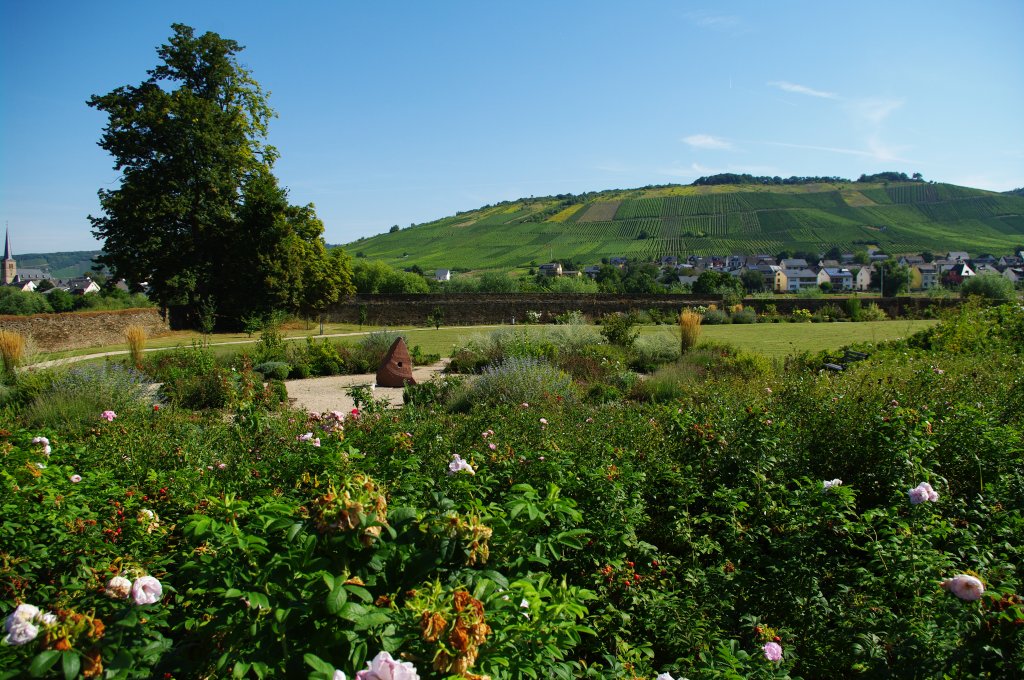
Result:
x=396 y=369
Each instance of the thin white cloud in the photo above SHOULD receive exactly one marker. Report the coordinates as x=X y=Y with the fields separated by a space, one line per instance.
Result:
x=693 y=171
x=707 y=142
x=883 y=152
x=876 y=150
x=802 y=89
x=716 y=20
x=876 y=110
x=725 y=23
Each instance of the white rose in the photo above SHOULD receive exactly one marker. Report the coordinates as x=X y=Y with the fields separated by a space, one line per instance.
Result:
x=118 y=588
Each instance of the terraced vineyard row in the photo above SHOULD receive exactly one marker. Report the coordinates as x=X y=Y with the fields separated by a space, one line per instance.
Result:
x=644 y=207
x=913 y=193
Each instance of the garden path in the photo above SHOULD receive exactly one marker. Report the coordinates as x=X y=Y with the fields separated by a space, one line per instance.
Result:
x=317 y=395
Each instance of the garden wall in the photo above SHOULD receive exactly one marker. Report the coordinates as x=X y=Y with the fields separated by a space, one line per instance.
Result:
x=467 y=309
x=76 y=330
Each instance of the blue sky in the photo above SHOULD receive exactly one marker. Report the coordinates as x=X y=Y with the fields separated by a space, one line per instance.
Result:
x=405 y=112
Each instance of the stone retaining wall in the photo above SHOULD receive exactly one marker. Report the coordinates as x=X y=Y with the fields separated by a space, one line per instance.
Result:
x=467 y=309
x=78 y=330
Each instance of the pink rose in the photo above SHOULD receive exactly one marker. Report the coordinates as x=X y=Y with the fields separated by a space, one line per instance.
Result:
x=773 y=651
x=108 y=416
x=383 y=667
x=965 y=586
x=921 y=493
x=146 y=590
x=459 y=465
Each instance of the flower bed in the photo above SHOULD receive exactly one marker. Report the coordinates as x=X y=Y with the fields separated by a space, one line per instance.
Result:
x=753 y=524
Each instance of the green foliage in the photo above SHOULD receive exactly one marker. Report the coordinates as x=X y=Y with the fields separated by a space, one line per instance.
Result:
x=989 y=286
x=14 y=301
x=620 y=329
x=516 y=380
x=714 y=317
x=872 y=312
x=801 y=315
x=195 y=130
x=747 y=315
x=374 y=277
x=678 y=533
x=71 y=400
x=273 y=370
x=853 y=309
x=891 y=278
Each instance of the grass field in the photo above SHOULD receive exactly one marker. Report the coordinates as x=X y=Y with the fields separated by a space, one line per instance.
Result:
x=773 y=340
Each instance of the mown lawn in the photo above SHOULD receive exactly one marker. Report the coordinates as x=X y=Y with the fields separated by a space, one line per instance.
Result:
x=783 y=339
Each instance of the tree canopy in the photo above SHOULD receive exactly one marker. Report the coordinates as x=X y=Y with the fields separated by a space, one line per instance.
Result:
x=198 y=214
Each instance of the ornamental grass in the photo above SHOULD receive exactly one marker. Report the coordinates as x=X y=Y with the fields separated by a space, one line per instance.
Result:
x=689 y=330
x=12 y=350
x=136 y=337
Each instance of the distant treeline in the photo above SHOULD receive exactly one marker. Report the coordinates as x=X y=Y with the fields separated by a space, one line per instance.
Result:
x=733 y=178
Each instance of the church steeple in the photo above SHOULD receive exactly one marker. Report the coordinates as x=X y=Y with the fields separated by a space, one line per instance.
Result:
x=10 y=267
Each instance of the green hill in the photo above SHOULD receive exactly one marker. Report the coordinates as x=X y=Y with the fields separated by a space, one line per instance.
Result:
x=647 y=223
x=60 y=265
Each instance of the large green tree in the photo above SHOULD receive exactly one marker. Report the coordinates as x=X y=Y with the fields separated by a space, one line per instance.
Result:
x=198 y=214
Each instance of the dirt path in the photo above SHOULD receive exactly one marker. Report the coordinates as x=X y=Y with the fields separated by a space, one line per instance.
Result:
x=318 y=395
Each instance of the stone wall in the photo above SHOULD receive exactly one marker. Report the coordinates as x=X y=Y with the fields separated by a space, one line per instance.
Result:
x=78 y=330
x=467 y=309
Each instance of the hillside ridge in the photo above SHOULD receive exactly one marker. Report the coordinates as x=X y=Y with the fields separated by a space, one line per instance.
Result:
x=719 y=218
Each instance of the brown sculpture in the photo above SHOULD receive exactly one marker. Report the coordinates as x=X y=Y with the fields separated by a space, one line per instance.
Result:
x=396 y=369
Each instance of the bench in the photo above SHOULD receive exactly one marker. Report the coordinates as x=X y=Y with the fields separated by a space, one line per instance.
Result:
x=849 y=356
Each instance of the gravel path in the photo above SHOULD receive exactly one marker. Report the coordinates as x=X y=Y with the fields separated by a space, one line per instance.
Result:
x=317 y=395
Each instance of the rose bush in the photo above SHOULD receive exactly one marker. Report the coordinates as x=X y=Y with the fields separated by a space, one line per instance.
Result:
x=689 y=537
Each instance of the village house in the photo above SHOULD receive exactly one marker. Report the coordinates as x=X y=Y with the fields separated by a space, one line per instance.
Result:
x=443 y=275
x=862 y=278
x=924 y=276
x=841 y=279
x=550 y=269
x=798 y=279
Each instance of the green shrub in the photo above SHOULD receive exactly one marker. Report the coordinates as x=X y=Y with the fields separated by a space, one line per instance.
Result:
x=989 y=286
x=439 y=390
x=649 y=352
x=827 y=313
x=570 y=318
x=714 y=317
x=273 y=370
x=853 y=309
x=322 y=357
x=371 y=349
x=600 y=393
x=278 y=391
x=747 y=315
x=521 y=379
x=620 y=329
x=801 y=315
x=72 y=399
x=872 y=312
x=810 y=293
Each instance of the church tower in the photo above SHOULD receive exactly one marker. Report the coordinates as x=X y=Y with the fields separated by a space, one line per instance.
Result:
x=10 y=266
